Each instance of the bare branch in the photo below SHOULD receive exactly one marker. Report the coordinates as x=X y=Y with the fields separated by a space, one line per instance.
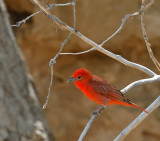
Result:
x=49 y=89
x=125 y=18
x=83 y=52
x=140 y=82
x=53 y=61
x=157 y=64
x=121 y=26
x=92 y=43
x=74 y=13
x=117 y=31
x=138 y=120
x=148 y=5
x=24 y=20
x=48 y=8
x=60 y=5
x=94 y=115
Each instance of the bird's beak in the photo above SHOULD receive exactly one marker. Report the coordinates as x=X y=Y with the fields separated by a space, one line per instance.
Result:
x=71 y=79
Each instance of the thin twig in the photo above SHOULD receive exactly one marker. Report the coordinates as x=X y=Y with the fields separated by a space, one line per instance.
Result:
x=53 y=61
x=48 y=8
x=92 y=43
x=150 y=3
x=77 y=53
x=138 y=120
x=74 y=13
x=117 y=31
x=26 y=19
x=121 y=26
x=157 y=64
x=59 y=5
x=125 y=18
x=49 y=89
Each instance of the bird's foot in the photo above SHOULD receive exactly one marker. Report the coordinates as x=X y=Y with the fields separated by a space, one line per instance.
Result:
x=96 y=112
x=99 y=110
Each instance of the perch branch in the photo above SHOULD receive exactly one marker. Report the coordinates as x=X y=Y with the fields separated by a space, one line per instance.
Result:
x=94 y=115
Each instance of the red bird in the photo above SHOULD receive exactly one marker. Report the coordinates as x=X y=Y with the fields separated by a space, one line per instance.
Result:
x=99 y=90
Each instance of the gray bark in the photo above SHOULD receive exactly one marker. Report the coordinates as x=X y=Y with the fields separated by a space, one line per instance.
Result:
x=21 y=118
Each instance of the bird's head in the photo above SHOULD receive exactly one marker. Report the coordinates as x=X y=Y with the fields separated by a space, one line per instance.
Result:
x=80 y=76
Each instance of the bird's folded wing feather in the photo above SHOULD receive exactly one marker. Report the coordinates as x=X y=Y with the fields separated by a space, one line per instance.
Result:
x=107 y=90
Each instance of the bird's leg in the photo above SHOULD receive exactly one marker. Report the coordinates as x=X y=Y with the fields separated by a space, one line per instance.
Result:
x=99 y=110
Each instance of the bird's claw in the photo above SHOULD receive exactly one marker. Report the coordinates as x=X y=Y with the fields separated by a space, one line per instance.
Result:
x=96 y=112
x=99 y=110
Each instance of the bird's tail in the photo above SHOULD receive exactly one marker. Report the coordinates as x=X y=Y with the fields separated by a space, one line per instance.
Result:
x=130 y=104
x=127 y=103
x=134 y=105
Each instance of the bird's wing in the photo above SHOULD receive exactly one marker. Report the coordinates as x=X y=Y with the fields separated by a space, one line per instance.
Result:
x=107 y=90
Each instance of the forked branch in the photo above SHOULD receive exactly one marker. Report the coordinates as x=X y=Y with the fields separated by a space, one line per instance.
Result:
x=92 y=43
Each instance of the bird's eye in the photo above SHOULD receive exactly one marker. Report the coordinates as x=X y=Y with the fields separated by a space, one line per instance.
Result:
x=79 y=77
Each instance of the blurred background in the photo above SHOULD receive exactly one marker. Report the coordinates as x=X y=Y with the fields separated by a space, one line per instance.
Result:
x=68 y=109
